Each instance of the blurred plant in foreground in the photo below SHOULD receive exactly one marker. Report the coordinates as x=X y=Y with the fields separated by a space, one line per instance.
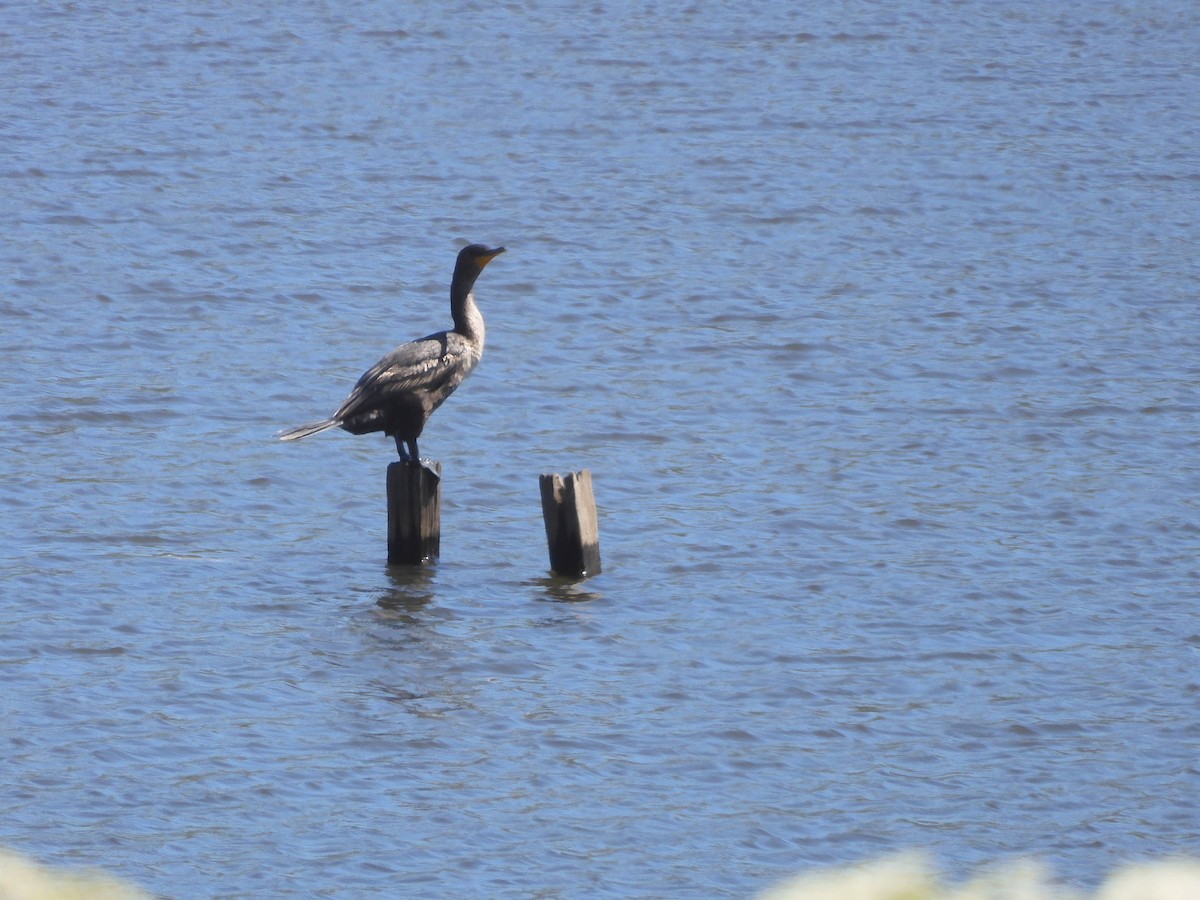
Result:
x=23 y=879
x=912 y=878
x=893 y=878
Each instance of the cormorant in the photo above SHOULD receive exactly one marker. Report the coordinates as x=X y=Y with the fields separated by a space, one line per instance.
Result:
x=399 y=393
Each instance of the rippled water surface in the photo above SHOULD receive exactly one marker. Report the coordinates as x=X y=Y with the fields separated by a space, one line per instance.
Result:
x=877 y=325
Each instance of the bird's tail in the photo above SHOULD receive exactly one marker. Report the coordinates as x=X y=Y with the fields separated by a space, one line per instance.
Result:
x=294 y=434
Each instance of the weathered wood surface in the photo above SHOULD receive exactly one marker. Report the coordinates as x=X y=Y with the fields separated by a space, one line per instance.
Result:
x=414 y=512
x=572 y=532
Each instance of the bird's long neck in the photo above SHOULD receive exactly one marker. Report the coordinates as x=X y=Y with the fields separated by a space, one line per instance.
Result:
x=468 y=321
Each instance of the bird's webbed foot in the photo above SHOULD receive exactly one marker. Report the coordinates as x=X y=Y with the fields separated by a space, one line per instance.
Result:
x=414 y=457
x=409 y=454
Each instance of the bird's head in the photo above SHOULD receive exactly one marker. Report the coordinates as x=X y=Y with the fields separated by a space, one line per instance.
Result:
x=475 y=257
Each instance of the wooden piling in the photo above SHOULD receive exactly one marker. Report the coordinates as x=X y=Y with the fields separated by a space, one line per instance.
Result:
x=569 y=511
x=414 y=512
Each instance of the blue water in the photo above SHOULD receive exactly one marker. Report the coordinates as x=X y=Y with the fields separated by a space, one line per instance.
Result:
x=877 y=327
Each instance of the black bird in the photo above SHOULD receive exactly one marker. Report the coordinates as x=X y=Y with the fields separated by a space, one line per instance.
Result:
x=399 y=393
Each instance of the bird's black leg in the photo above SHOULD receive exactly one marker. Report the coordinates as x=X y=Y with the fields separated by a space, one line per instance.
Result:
x=401 y=448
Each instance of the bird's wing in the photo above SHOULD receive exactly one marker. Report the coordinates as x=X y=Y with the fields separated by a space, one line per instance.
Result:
x=423 y=365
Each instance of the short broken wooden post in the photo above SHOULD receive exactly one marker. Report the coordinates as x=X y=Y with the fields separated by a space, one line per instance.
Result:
x=569 y=511
x=414 y=512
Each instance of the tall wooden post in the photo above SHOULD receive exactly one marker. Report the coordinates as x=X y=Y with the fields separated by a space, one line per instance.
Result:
x=414 y=512
x=572 y=533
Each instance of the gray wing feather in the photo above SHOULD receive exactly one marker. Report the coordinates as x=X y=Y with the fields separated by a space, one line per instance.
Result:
x=426 y=365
